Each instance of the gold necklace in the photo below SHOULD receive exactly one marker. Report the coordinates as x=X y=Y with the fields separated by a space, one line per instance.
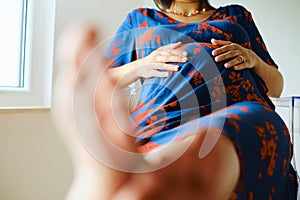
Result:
x=185 y=14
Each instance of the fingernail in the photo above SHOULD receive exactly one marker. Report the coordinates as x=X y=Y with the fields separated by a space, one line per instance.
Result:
x=184 y=53
x=184 y=59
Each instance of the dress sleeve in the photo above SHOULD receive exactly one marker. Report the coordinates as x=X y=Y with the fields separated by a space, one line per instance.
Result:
x=121 y=49
x=256 y=41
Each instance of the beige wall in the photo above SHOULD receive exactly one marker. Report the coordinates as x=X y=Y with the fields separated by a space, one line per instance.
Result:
x=35 y=164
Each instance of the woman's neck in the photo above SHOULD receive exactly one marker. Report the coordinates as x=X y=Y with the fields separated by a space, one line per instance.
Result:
x=185 y=6
x=189 y=10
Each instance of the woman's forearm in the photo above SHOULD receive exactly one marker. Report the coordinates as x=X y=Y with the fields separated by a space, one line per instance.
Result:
x=126 y=74
x=272 y=77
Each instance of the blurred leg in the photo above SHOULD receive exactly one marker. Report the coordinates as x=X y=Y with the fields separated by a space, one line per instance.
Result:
x=92 y=180
x=213 y=177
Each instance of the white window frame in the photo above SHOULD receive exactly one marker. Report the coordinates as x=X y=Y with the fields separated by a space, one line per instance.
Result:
x=36 y=92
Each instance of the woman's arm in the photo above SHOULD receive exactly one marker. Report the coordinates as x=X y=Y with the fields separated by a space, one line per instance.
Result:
x=240 y=58
x=153 y=65
x=271 y=75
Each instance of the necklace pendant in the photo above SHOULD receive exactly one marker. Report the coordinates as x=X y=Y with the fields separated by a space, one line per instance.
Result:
x=190 y=14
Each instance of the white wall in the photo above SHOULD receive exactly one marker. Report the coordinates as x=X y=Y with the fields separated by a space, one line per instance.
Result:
x=35 y=164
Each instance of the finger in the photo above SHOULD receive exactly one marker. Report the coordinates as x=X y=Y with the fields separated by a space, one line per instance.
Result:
x=170 y=58
x=220 y=42
x=127 y=192
x=75 y=43
x=156 y=73
x=177 y=52
x=172 y=46
x=225 y=48
x=240 y=66
x=137 y=189
x=226 y=55
x=169 y=67
x=238 y=60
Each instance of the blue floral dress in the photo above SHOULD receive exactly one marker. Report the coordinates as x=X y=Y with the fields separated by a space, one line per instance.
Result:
x=204 y=95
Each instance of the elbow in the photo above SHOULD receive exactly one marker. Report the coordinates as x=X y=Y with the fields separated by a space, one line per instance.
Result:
x=277 y=87
x=275 y=95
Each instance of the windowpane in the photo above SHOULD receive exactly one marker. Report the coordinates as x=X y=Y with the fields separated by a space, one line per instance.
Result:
x=11 y=48
x=26 y=53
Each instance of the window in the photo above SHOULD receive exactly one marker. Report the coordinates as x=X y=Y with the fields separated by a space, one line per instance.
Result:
x=27 y=42
x=12 y=16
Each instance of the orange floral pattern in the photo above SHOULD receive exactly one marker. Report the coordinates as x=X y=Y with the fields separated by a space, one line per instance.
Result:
x=203 y=95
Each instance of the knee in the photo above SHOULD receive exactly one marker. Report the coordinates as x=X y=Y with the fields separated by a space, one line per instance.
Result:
x=219 y=167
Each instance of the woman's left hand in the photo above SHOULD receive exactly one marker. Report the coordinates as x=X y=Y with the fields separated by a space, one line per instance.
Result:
x=235 y=55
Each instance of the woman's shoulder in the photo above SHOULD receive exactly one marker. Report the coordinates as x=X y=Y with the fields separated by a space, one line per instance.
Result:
x=145 y=11
x=233 y=9
x=145 y=16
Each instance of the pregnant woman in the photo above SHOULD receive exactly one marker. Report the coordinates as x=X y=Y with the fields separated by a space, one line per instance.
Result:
x=203 y=121
x=206 y=73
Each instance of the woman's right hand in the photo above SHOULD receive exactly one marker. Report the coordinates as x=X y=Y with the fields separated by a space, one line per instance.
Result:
x=155 y=64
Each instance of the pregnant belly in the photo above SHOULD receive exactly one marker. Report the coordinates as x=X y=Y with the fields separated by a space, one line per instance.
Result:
x=200 y=87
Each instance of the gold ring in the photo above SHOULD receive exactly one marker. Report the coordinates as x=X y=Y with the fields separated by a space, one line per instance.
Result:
x=243 y=59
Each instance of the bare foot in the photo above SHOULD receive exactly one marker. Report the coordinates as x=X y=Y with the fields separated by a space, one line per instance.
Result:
x=189 y=177
x=213 y=177
x=92 y=179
